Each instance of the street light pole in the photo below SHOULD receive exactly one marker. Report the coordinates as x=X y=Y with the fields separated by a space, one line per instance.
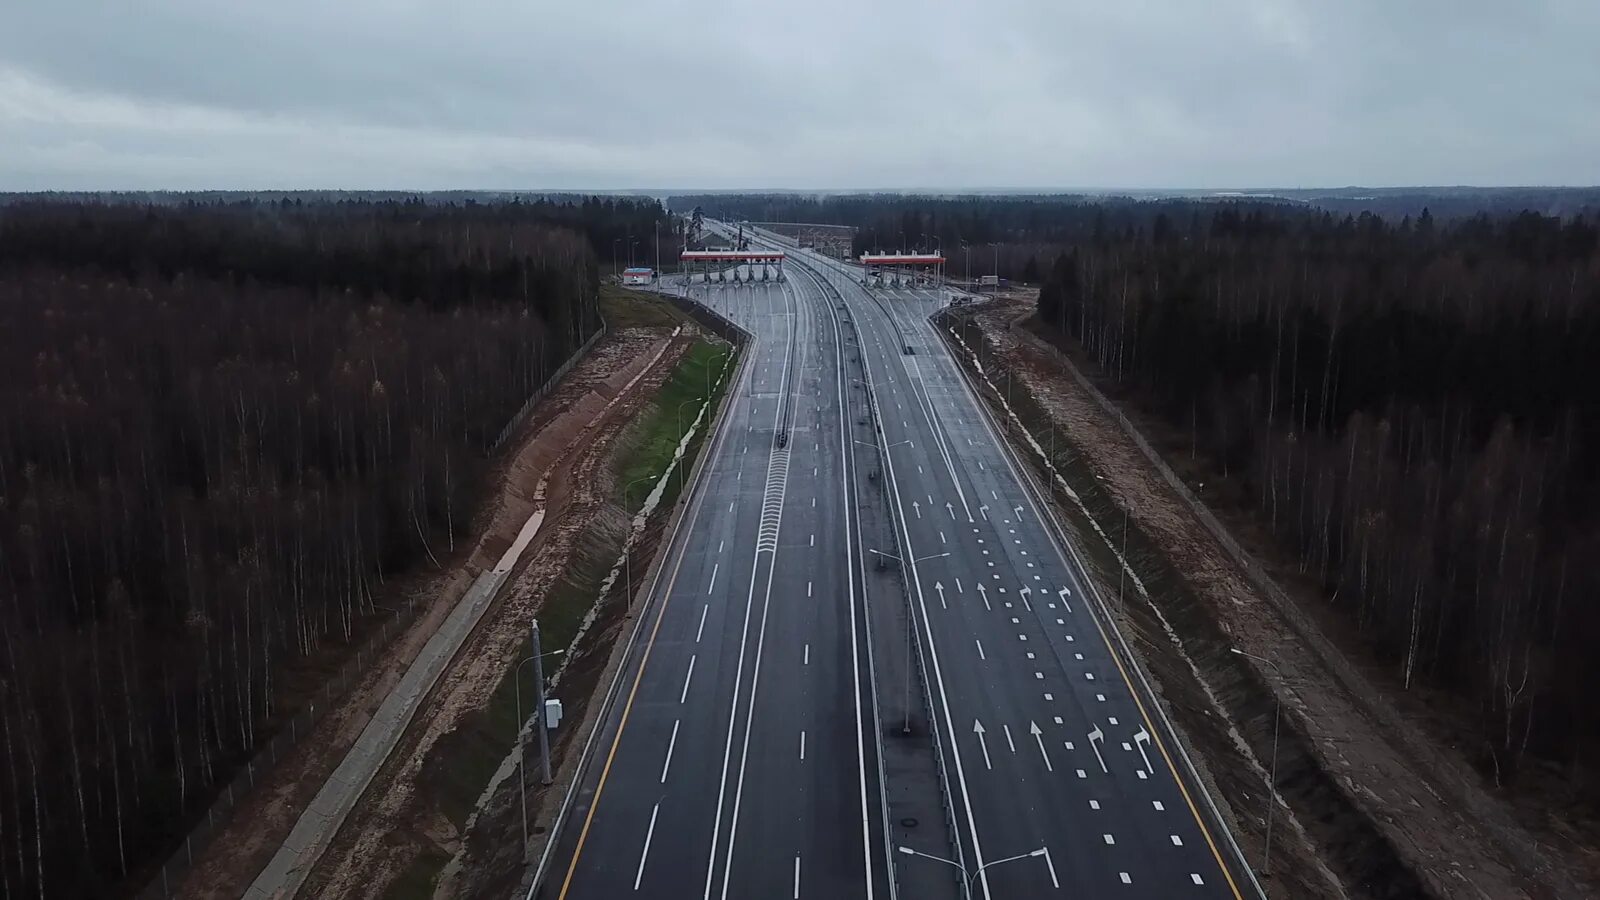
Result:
x=968 y=881
x=680 y=423
x=910 y=625
x=1272 y=787
x=544 y=739
x=627 y=542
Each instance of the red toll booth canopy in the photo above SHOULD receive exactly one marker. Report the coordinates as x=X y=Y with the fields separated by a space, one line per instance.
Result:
x=733 y=256
x=901 y=259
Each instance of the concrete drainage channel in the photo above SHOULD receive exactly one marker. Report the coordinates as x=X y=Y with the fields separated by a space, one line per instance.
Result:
x=1322 y=844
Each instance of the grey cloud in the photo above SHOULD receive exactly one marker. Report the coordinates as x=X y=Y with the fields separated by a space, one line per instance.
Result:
x=890 y=93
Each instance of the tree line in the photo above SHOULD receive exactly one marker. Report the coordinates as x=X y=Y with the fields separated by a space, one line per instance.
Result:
x=1412 y=406
x=1016 y=236
x=225 y=426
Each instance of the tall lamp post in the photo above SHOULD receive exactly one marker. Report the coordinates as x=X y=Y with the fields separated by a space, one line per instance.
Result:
x=968 y=881
x=1272 y=786
x=627 y=545
x=906 y=727
x=680 y=428
x=544 y=739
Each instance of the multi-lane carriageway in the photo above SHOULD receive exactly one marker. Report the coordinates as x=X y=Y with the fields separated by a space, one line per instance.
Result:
x=743 y=755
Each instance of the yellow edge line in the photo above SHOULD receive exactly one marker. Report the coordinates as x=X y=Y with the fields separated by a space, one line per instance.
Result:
x=1155 y=735
x=683 y=550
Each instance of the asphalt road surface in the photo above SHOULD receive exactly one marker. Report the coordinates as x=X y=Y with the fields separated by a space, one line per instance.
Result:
x=743 y=757
x=739 y=760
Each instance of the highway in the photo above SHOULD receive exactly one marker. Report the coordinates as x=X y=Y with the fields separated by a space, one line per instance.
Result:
x=1052 y=741
x=745 y=754
x=740 y=757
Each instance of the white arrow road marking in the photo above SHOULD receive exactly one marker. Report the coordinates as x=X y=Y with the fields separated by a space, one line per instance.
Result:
x=984 y=511
x=939 y=586
x=977 y=729
x=1038 y=735
x=1024 y=595
x=916 y=506
x=949 y=508
x=1017 y=510
x=985 y=592
x=1139 y=740
x=1062 y=594
x=1098 y=735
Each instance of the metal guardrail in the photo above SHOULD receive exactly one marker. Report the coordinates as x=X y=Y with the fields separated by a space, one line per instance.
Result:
x=734 y=334
x=947 y=797
x=1044 y=501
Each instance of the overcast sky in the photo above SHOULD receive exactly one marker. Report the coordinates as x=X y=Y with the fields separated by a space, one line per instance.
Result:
x=603 y=94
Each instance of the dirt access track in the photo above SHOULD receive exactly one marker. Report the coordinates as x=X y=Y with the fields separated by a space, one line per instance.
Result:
x=554 y=465
x=1385 y=807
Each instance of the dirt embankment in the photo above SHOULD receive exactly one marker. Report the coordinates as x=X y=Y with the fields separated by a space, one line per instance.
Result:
x=559 y=450
x=407 y=815
x=1388 y=809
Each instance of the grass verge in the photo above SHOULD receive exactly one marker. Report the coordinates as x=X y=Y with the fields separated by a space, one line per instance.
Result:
x=701 y=369
x=463 y=761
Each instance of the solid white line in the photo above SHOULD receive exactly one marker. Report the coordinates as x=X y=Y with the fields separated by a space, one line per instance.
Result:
x=702 y=630
x=755 y=680
x=933 y=654
x=712 y=586
x=846 y=466
x=797 y=876
x=645 y=854
x=686 y=680
x=670 y=744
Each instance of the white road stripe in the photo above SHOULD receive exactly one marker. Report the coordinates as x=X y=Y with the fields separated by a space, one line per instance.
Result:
x=645 y=854
x=670 y=744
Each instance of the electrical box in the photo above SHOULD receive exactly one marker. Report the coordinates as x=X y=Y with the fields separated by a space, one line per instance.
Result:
x=552 y=713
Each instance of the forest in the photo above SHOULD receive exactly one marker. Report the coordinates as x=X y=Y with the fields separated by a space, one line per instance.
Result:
x=1016 y=236
x=1413 y=407
x=227 y=426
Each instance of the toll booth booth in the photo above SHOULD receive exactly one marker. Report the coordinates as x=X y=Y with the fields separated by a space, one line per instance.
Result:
x=902 y=270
